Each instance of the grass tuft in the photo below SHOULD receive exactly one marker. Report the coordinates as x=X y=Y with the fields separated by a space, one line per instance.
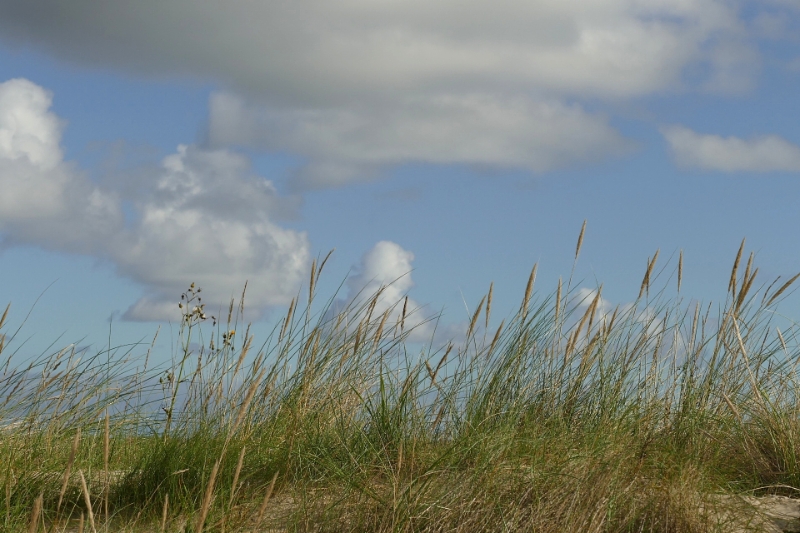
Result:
x=566 y=416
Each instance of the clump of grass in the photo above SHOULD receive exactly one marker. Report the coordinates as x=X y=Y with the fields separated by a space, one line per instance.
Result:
x=566 y=416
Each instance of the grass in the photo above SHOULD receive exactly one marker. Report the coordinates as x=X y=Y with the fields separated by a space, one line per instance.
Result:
x=565 y=417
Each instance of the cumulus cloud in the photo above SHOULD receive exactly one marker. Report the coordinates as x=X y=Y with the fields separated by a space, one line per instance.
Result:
x=387 y=265
x=387 y=268
x=359 y=85
x=769 y=153
x=202 y=217
x=208 y=221
x=45 y=200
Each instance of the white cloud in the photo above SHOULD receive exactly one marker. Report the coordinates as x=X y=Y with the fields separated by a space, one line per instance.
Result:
x=320 y=53
x=28 y=130
x=387 y=268
x=358 y=85
x=208 y=222
x=205 y=218
x=43 y=199
x=732 y=154
x=352 y=144
x=386 y=265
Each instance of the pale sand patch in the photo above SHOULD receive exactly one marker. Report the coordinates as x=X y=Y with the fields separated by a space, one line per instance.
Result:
x=763 y=514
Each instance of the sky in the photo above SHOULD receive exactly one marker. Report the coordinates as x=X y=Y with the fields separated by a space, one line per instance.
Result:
x=444 y=144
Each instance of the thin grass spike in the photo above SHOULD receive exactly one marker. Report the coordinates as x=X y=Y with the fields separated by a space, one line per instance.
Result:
x=645 y=287
x=489 y=304
x=529 y=289
x=558 y=303
x=33 y=525
x=403 y=315
x=496 y=337
x=782 y=289
x=237 y=472
x=312 y=281
x=164 y=512
x=475 y=316
x=207 y=497
x=88 y=501
x=322 y=264
x=5 y=315
x=265 y=502
x=580 y=240
x=73 y=452
x=732 y=282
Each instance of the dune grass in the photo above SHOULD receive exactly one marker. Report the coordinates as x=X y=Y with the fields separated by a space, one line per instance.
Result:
x=566 y=416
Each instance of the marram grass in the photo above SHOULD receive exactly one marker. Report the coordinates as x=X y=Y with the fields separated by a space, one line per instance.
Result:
x=562 y=417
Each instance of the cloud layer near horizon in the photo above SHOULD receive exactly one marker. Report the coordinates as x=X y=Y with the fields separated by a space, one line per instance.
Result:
x=768 y=153
x=202 y=217
x=358 y=86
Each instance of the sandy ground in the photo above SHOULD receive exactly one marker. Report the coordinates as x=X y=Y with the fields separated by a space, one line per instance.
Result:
x=765 y=514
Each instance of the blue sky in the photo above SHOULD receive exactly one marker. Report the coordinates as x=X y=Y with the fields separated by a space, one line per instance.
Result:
x=146 y=145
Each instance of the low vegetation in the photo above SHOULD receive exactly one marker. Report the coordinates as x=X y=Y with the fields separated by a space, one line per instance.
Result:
x=566 y=416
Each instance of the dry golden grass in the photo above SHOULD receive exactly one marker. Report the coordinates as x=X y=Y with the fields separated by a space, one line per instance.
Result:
x=563 y=417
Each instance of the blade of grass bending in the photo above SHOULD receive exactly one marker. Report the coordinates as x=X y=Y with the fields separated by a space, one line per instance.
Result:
x=33 y=526
x=443 y=359
x=5 y=315
x=753 y=382
x=164 y=513
x=489 y=304
x=430 y=372
x=747 y=282
x=88 y=501
x=379 y=331
x=207 y=498
x=3 y=321
x=782 y=289
x=265 y=502
x=312 y=281
x=475 y=317
x=236 y=476
x=403 y=315
x=106 y=449
x=732 y=407
x=322 y=264
x=241 y=303
x=590 y=311
x=732 y=282
x=580 y=241
x=246 y=404
x=529 y=290
x=496 y=337
x=646 y=280
x=67 y=472
x=748 y=267
x=287 y=320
